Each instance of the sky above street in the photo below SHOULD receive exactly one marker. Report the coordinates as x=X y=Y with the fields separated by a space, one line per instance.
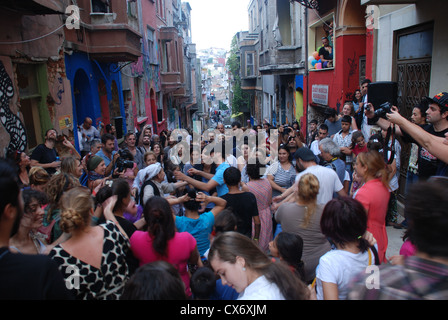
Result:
x=215 y=22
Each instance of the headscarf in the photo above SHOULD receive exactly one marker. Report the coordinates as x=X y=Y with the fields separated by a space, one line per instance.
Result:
x=152 y=170
x=92 y=163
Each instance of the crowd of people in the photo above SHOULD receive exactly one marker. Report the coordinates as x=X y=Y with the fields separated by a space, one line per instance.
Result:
x=244 y=213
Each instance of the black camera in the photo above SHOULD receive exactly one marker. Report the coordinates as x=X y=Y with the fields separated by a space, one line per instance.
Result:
x=123 y=164
x=384 y=108
x=124 y=161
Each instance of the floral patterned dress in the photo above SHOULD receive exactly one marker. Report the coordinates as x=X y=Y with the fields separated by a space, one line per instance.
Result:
x=86 y=281
x=263 y=193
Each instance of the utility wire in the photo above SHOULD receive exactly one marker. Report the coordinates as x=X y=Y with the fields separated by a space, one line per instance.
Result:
x=30 y=40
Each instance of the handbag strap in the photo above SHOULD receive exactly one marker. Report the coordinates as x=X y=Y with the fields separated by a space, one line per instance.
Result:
x=375 y=253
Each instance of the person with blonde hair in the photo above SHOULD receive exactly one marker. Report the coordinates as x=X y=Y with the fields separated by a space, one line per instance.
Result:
x=374 y=195
x=240 y=263
x=58 y=184
x=72 y=166
x=39 y=178
x=97 y=253
x=302 y=217
x=328 y=179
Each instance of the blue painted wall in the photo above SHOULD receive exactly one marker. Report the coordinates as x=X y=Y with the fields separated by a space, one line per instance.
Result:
x=84 y=75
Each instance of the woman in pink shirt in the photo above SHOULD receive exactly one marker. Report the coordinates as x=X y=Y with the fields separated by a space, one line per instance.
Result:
x=374 y=195
x=162 y=242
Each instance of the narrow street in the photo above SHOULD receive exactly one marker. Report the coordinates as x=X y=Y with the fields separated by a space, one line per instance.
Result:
x=163 y=132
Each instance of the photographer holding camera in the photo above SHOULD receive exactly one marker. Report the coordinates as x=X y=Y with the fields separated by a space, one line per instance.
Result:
x=125 y=167
x=108 y=153
x=437 y=118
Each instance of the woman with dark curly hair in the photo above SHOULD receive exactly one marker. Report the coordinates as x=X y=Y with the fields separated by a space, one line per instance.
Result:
x=22 y=162
x=28 y=240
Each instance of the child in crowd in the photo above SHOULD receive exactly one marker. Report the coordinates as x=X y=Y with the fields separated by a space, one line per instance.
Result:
x=288 y=248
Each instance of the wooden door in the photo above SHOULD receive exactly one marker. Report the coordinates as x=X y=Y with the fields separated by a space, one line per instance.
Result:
x=413 y=52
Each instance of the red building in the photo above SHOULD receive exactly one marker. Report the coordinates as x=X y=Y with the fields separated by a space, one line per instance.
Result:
x=343 y=22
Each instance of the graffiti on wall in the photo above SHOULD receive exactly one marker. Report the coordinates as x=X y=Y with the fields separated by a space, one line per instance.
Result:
x=147 y=67
x=353 y=68
x=58 y=89
x=12 y=123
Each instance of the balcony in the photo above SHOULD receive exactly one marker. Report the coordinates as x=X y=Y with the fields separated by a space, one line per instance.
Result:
x=36 y=7
x=107 y=36
x=168 y=34
x=171 y=82
x=280 y=60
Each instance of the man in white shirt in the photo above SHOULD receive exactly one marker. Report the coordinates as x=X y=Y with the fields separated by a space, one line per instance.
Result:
x=344 y=140
x=329 y=182
x=89 y=133
x=322 y=133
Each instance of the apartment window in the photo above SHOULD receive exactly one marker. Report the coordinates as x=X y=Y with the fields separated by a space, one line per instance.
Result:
x=151 y=48
x=165 y=53
x=29 y=101
x=101 y=6
x=321 y=44
x=250 y=65
x=415 y=45
x=284 y=22
x=159 y=105
x=176 y=66
x=132 y=9
x=160 y=8
x=139 y=93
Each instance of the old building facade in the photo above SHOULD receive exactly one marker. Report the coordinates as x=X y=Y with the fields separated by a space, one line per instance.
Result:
x=127 y=63
x=272 y=59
